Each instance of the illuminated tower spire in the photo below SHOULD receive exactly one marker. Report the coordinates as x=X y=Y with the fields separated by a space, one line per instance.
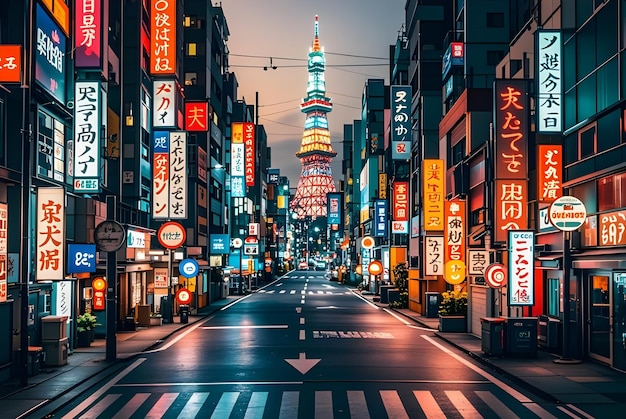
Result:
x=316 y=152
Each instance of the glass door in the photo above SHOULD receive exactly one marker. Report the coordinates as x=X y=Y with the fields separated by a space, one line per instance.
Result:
x=619 y=320
x=599 y=321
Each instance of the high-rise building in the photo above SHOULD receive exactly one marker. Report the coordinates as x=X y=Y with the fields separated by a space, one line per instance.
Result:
x=316 y=152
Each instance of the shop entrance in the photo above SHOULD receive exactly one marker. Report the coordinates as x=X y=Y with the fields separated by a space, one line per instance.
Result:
x=619 y=320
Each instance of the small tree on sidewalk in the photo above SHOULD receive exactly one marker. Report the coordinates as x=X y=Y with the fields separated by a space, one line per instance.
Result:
x=401 y=281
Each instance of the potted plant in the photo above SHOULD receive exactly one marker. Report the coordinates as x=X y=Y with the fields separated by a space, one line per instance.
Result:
x=85 y=325
x=399 y=298
x=453 y=311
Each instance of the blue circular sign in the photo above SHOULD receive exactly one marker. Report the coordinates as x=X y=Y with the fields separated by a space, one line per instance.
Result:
x=188 y=268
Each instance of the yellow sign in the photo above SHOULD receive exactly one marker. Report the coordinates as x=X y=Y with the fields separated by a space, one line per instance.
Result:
x=191 y=284
x=433 y=193
x=250 y=265
x=382 y=185
x=454 y=272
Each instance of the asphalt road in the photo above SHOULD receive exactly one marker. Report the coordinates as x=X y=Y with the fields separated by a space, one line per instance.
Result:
x=309 y=348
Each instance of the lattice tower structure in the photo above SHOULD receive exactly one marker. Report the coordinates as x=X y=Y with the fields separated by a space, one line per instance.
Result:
x=316 y=152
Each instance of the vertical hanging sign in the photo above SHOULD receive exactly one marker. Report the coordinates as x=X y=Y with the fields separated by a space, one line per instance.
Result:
x=400 y=221
x=549 y=73
x=164 y=103
x=433 y=191
x=87 y=33
x=250 y=146
x=178 y=175
x=334 y=212
x=521 y=268
x=162 y=37
x=380 y=218
x=4 y=266
x=433 y=255
x=196 y=116
x=50 y=251
x=10 y=63
x=87 y=136
x=511 y=139
x=549 y=172
x=401 y=122
x=160 y=174
x=455 y=271
x=237 y=162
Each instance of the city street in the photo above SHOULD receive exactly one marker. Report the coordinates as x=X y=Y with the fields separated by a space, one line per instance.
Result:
x=305 y=347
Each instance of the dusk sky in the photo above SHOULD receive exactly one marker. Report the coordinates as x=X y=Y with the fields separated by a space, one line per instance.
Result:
x=355 y=35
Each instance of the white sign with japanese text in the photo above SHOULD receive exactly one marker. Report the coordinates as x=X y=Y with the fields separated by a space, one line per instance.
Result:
x=164 y=105
x=433 y=255
x=521 y=251
x=477 y=262
x=87 y=110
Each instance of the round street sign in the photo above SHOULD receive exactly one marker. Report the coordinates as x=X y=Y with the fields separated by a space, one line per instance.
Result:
x=183 y=296
x=454 y=272
x=109 y=236
x=368 y=242
x=567 y=213
x=375 y=267
x=172 y=235
x=188 y=268
x=237 y=242
x=495 y=275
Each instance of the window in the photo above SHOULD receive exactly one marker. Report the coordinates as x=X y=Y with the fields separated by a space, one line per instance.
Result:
x=190 y=21
x=494 y=57
x=191 y=79
x=495 y=20
x=587 y=141
x=612 y=192
x=191 y=49
x=553 y=297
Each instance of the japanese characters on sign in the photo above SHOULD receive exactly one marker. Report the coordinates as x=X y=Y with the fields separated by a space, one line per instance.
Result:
x=87 y=113
x=249 y=142
x=164 y=104
x=162 y=37
x=401 y=122
x=521 y=249
x=87 y=33
x=549 y=172
x=511 y=136
x=10 y=63
x=237 y=162
x=50 y=55
x=334 y=202
x=433 y=255
x=613 y=229
x=549 y=73
x=382 y=185
x=169 y=177
x=511 y=211
x=81 y=258
x=160 y=278
x=197 y=116
x=433 y=177
x=478 y=260
x=50 y=251
x=455 y=232
x=380 y=218
x=400 y=221
x=4 y=266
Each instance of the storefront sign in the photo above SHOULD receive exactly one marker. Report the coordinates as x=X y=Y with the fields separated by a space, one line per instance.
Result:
x=567 y=213
x=4 y=266
x=81 y=258
x=454 y=234
x=511 y=208
x=169 y=182
x=164 y=103
x=521 y=249
x=549 y=172
x=433 y=176
x=237 y=162
x=334 y=208
x=10 y=63
x=135 y=239
x=613 y=229
x=99 y=286
x=250 y=147
x=87 y=129
x=477 y=262
x=382 y=185
x=401 y=122
x=549 y=76
x=87 y=33
x=163 y=37
x=172 y=235
x=160 y=278
x=380 y=218
x=433 y=255
x=495 y=275
x=220 y=244
x=511 y=128
x=50 y=55
x=400 y=221
x=197 y=116
x=50 y=250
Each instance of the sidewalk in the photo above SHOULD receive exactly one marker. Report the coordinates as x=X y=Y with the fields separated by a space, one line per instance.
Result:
x=598 y=389
x=84 y=363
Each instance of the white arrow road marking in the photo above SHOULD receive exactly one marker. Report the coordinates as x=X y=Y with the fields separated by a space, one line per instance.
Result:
x=302 y=364
x=328 y=286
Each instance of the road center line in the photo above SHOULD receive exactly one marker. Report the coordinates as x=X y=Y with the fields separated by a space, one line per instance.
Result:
x=301 y=320
x=302 y=334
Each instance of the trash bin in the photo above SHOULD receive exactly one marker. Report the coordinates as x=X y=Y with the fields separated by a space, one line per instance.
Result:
x=184 y=313
x=432 y=304
x=384 y=296
x=492 y=335
x=521 y=336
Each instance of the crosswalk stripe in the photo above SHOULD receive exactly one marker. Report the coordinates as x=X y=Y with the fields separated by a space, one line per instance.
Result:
x=161 y=406
x=132 y=406
x=100 y=406
x=496 y=405
x=463 y=405
x=393 y=404
x=292 y=292
x=256 y=406
x=225 y=406
x=357 y=405
x=289 y=405
x=323 y=404
x=193 y=405
x=282 y=291
x=428 y=404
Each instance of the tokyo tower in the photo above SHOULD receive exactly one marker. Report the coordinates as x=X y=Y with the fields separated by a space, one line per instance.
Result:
x=316 y=152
